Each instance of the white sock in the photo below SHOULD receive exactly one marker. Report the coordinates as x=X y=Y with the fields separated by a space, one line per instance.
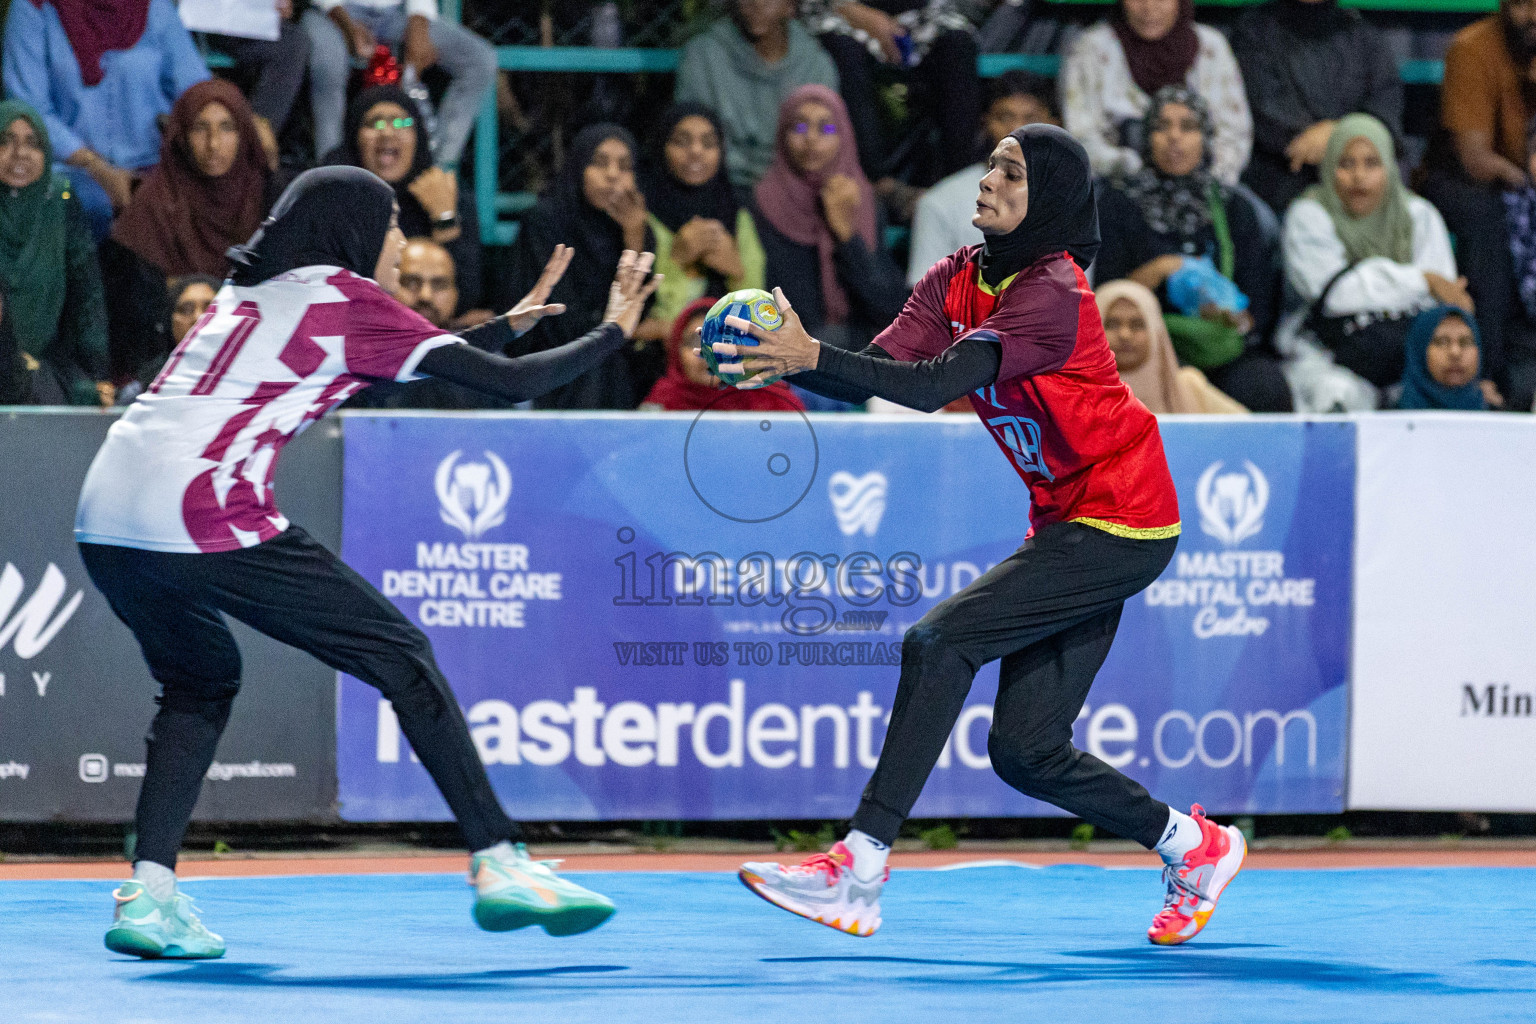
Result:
x=1181 y=836
x=503 y=850
x=157 y=878
x=869 y=855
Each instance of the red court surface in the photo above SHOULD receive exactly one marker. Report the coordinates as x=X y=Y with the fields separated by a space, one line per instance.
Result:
x=234 y=866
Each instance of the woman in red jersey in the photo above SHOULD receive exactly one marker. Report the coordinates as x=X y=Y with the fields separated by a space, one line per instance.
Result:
x=1013 y=324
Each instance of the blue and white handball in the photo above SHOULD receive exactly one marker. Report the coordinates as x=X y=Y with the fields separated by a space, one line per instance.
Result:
x=751 y=304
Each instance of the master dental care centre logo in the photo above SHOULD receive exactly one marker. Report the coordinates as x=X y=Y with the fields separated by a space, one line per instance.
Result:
x=467 y=581
x=1232 y=590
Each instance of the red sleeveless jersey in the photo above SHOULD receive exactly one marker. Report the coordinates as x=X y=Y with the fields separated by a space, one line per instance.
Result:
x=1089 y=451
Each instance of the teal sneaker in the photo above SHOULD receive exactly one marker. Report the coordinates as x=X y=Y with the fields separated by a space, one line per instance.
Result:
x=144 y=927
x=516 y=891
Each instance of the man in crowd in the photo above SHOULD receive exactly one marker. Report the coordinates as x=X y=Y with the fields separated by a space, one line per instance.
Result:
x=427 y=285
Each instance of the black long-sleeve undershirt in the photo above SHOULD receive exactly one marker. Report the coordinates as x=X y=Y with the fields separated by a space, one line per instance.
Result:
x=927 y=386
x=476 y=364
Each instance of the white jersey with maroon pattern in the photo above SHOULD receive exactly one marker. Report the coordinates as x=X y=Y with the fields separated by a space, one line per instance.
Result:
x=189 y=466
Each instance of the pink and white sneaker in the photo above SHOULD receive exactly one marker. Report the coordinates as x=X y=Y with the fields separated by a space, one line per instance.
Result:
x=823 y=888
x=1196 y=884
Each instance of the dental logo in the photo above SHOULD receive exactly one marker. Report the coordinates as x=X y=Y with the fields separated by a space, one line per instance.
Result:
x=1232 y=504
x=858 y=501
x=473 y=495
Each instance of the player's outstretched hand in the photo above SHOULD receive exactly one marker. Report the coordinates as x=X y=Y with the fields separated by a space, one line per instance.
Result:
x=777 y=353
x=632 y=285
x=531 y=308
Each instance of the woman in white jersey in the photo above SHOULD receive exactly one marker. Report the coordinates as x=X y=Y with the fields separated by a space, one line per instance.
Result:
x=178 y=527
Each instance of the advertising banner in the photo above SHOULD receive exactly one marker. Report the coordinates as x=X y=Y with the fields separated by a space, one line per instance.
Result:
x=75 y=697
x=700 y=617
x=1444 y=696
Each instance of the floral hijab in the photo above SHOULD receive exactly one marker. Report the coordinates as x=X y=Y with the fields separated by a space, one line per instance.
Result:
x=1175 y=206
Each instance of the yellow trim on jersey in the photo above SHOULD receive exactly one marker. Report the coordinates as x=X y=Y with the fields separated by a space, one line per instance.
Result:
x=1133 y=532
x=1004 y=283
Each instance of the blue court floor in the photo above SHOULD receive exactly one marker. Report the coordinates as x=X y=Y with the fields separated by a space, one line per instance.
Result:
x=976 y=944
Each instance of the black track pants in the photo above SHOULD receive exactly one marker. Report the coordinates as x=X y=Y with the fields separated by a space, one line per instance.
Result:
x=293 y=590
x=1049 y=611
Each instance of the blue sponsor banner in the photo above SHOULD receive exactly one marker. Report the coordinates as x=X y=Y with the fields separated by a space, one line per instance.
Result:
x=679 y=617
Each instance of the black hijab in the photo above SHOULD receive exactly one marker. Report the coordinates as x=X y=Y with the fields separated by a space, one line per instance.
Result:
x=330 y=216
x=564 y=215
x=1062 y=214
x=414 y=220
x=673 y=202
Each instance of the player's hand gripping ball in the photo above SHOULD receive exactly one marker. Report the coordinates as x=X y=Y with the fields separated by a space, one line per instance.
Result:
x=752 y=304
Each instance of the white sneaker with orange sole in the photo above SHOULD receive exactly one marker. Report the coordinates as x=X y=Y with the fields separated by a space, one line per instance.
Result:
x=822 y=888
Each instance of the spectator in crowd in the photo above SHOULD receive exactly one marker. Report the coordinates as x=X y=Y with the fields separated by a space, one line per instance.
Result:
x=1116 y=66
x=595 y=207
x=820 y=227
x=209 y=191
x=706 y=241
x=1144 y=356
x=1441 y=362
x=101 y=75
x=932 y=37
x=1307 y=63
x=188 y=298
x=272 y=70
x=1364 y=255
x=387 y=135
x=341 y=29
x=49 y=279
x=1173 y=223
x=429 y=285
x=1486 y=113
x=688 y=384
x=743 y=67
x=942 y=224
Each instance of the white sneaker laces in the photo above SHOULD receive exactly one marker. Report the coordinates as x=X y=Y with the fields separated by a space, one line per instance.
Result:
x=1180 y=888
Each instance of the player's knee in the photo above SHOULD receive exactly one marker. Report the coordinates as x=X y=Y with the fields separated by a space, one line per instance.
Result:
x=926 y=642
x=1029 y=767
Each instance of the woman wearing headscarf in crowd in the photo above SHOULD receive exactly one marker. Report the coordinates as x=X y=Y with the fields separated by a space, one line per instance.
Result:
x=49 y=276
x=1443 y=362
x=688 y=383
x=820 y=226
x=208 y=193
x=1118 y=65
x=1375 y=255
x=706 y=242
x=1174 y=227
x=594 y=206
x=386 y=134
x=178 y=527
x=1307 y=63
x=187 y=298
x=101 y=113
x=1011 y=323
x=1144 y=356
